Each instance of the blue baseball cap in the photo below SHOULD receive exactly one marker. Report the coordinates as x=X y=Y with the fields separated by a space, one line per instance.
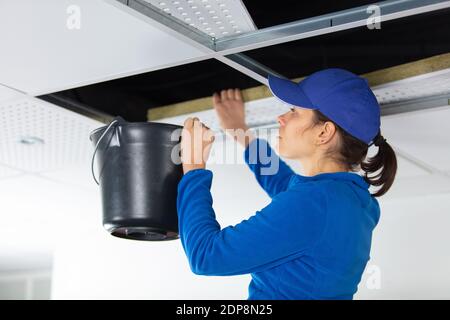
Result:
x=340 y=95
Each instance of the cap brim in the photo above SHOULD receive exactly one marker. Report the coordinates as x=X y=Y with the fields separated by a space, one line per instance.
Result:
x=289 y=92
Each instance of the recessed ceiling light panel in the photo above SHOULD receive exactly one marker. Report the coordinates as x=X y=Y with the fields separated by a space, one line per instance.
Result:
x=216 y=18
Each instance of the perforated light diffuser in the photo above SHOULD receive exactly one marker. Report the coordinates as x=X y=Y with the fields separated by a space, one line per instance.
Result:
x=216 y=18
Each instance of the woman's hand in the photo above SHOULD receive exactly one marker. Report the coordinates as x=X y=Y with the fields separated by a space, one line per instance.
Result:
x=230 y=110
x=196 y=142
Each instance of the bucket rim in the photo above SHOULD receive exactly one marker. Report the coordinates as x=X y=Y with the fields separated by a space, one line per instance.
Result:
x=131 y=124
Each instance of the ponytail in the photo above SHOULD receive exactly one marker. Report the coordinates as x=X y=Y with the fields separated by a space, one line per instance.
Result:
x=385 y=162
x=379 y=170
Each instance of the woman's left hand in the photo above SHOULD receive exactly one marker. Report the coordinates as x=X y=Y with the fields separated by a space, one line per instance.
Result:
x=196 y=142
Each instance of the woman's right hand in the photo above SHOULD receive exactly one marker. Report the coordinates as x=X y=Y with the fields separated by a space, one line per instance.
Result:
x=230 y=110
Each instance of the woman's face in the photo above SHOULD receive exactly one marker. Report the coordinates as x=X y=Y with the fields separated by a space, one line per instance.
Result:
x=297 y=135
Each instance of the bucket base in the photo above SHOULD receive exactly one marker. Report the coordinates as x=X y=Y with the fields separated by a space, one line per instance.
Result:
x=144 y=233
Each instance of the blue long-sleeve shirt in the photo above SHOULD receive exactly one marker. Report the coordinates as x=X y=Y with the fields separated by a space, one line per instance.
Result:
x=311 y=242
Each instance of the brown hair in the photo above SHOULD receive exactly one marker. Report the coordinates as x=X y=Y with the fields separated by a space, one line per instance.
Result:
x=352 y=153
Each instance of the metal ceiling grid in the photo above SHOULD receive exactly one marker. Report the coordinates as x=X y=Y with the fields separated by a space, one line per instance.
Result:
x=225 y=48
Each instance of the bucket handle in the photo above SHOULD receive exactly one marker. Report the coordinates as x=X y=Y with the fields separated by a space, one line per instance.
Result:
x=96 y=148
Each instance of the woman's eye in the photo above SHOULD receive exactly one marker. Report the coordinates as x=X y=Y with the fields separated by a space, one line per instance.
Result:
x=292 y=109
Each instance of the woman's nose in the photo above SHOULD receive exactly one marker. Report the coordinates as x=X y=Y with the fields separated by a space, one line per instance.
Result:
x=281 y=121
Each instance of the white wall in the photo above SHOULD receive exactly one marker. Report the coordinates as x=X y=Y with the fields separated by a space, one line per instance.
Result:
x=32 y=284
x=411 y=250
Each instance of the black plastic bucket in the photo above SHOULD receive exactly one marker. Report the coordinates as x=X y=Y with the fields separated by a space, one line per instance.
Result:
x=139 y=170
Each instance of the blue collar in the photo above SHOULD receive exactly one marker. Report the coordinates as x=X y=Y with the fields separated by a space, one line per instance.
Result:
x=345 y=176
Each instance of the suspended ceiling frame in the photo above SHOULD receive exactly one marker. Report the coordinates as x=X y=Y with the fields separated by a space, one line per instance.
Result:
x=229 y=50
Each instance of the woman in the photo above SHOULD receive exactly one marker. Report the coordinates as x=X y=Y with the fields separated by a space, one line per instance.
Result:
x=313 y=240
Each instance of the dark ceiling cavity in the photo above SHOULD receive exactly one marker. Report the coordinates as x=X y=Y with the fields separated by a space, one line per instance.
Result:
x=362 y=50
x=131 y=97
x=268 y=13
x=359 y=50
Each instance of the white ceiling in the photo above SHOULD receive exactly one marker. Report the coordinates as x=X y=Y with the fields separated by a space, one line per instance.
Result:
x=40 y=54
x=39 y=137
x=8 y=93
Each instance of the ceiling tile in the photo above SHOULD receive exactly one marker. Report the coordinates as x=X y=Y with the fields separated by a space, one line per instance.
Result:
x=426 y=85
x=8 y=94
x=38 y=136
x=47 y=52
x=218 y=19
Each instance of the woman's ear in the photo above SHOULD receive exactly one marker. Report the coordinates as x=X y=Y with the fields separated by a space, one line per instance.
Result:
x=326 y=133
